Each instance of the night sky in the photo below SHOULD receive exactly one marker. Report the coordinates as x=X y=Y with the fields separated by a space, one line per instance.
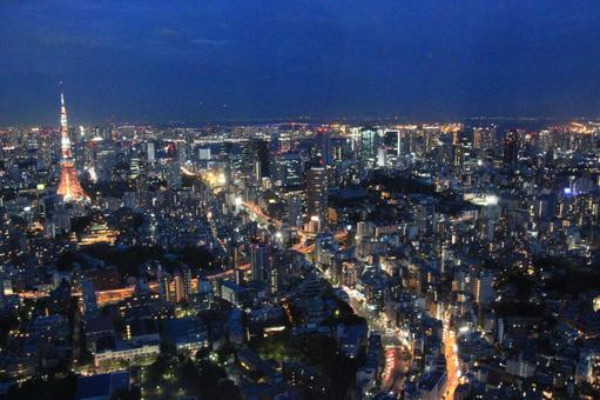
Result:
x=160 y=61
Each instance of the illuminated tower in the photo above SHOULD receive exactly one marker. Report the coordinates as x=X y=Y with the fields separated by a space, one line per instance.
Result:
x=69 y=187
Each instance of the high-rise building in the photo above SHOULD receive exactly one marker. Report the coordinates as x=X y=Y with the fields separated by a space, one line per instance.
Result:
x=262 y=156
x=483 y=138
x=369 y=143
x=483 y=292
x=457 y=150
x=69 y=187
x=175 y=288
x=151 y=152
x=365 y=230
x=141 y=185
x=258 y=171
x=430 y=138
x=274 y=145
x=189 y=147
x=204 y=153
x=456 y=138
x=325 y=249
x=260 y=261
x=294 y=211
x=163 y=279
x=382 y=156
x=317 y=195
x=178 y=288
x=393 y=141
x=239 y=276
x=187 y=281
x=182 y=152
x=274 y=279
x=246 y=160
x=511 y=148
x=289 y=170
x=90 y=304
x=324 y=143
x=175 y=175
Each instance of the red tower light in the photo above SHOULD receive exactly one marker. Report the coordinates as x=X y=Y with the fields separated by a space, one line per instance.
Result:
x=69 y=187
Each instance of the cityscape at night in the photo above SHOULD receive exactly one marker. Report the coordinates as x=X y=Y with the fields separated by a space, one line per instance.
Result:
x=259 y=202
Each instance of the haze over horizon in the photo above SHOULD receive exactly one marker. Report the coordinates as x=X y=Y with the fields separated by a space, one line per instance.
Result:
x=148 y=61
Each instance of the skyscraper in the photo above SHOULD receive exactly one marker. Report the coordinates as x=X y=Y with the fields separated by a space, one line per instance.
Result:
x=511 y=148
x=90 y=305
x=178 y=292
x=382 y=156
x=151 y=152
x=457 y=150
x=324 y=143
x=163 y=279
x=261 y=156
x=175 y=175
x=483 y=292
x=369 y=143
x=483 y=138
x=294 y=211
x=69 y=187
x=260 y=261
x=187 y=281
x=317 y=195
x=289 y=170
x=141 y=185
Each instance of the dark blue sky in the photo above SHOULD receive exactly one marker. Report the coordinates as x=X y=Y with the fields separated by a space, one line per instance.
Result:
x=155 y=61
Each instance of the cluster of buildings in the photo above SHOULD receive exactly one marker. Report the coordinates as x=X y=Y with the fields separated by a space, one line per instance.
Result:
x=431 y=261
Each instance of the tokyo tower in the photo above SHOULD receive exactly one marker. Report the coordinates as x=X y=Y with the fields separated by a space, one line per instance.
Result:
x=69 y=187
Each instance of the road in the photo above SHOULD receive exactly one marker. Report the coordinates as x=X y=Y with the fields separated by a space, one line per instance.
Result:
x=258 y=213
x=452 y=366
x=390 y=369
x=396 y=366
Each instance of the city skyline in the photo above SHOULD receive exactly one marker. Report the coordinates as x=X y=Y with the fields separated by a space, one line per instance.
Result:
x=299 y=261
x=299 y=200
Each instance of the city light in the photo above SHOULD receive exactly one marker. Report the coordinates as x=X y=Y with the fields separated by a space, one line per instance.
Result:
x=316 y=212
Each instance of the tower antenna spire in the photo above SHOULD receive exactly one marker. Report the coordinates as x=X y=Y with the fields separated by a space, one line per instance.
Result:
x=69 y=187
x=61 y=86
